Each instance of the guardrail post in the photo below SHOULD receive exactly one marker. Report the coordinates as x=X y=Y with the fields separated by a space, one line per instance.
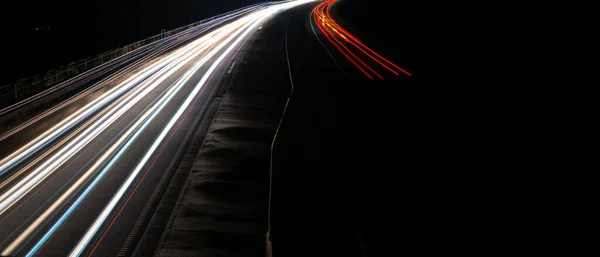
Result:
x=16 y=97
x=70 y=69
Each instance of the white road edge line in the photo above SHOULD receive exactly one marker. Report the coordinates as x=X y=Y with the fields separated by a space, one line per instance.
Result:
x=277 y=132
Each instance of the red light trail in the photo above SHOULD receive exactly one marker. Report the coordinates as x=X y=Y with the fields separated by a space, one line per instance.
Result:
x=338 y=35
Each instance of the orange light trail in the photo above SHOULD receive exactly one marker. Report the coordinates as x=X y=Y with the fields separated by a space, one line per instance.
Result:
x=332 y=31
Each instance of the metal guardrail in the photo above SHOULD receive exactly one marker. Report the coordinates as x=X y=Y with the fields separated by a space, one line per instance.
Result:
x=26 y=87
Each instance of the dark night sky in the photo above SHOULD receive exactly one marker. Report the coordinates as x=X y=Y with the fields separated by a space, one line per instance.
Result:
x=72 y=30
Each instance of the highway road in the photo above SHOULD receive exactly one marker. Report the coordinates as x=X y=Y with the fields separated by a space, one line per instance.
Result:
x=74 y=177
